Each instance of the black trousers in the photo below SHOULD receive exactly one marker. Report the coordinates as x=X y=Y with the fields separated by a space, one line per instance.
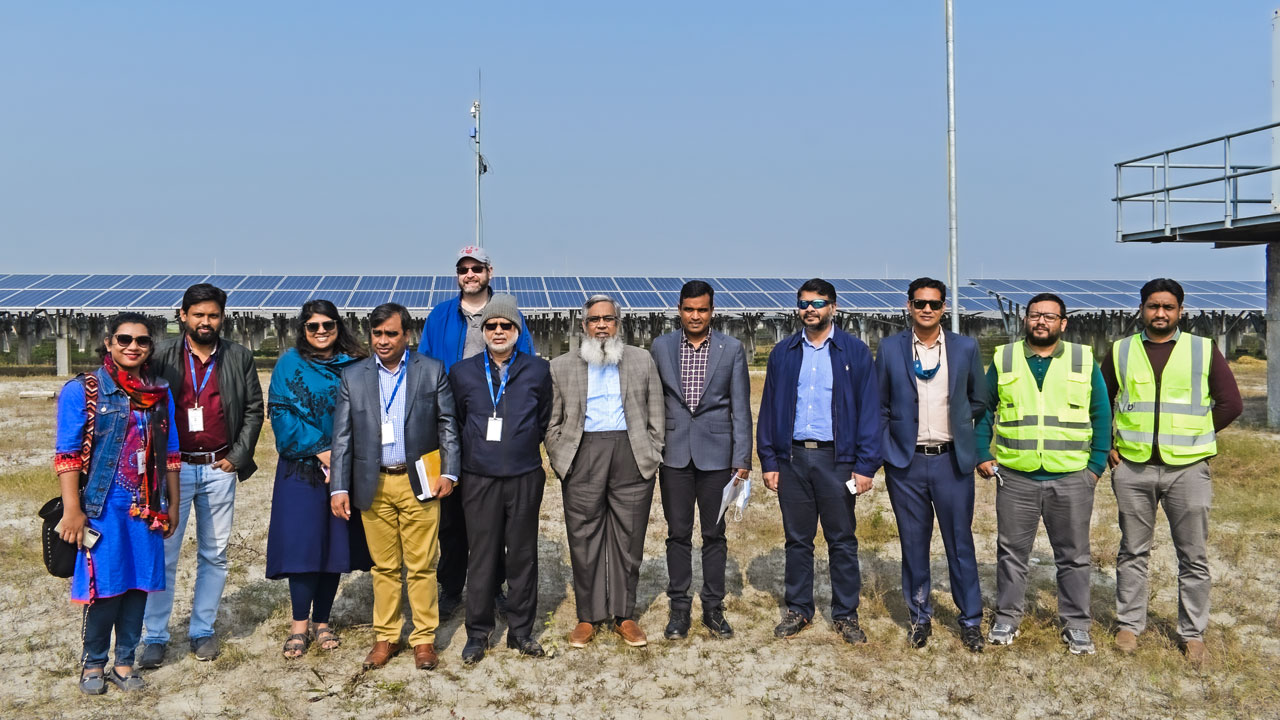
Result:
x=681 y=489
x=451 y=573
x=502 y=530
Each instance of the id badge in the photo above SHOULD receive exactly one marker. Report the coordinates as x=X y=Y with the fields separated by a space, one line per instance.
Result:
x=494 y=432
x=388 y=433
x=142 y=461
x=195 y=419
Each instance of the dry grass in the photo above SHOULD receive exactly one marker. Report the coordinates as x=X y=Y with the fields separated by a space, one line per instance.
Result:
x=752 y=675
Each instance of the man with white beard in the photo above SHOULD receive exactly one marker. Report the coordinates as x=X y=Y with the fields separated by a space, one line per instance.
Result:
x=605 y=442
x=503 y=400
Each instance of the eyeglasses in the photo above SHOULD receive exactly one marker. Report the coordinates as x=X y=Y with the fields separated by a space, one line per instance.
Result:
x=326 y=325
x=931 y=304
x=123 y=340
x=817 y=304
x=491 y=326
x=606 y=319
x=1047 y=317
x=477 y=269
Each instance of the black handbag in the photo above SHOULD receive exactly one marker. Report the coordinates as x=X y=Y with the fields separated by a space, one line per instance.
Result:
x=60 y=555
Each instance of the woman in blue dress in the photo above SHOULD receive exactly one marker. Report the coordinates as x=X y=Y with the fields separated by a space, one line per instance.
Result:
x=305 y=542
x=113 y=429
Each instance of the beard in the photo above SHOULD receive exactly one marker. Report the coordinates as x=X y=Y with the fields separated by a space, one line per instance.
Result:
x=1048 y=341
x=204 y=336
x=499 y=348
x=601 y=352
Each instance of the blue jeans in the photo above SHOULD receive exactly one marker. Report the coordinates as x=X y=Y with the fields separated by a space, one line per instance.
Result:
x=210 y=494
x=123 y=613
x=811 y=489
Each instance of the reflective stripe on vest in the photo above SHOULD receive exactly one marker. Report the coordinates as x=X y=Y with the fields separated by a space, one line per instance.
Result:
x=1044 y=427
x=1184 y=405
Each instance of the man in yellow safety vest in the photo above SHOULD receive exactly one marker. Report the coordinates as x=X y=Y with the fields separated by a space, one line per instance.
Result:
x=1172 y=393
x=1047 y=408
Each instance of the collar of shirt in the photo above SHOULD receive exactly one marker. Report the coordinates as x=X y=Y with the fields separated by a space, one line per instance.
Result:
x=186 y=339
x=684 y=340
x=830 y=337
x=1177 y=333
x=1029 y=350
x=938 y=341
x=383 y=367
x=463 y=311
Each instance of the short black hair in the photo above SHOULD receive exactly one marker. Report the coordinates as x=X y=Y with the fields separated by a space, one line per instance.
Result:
x=385 y=311
x=120 y=318
x=1168 y=285
x=926 y=282
x=204 y=292
x=697 y=288
x=1048 y=297
x=819 y=286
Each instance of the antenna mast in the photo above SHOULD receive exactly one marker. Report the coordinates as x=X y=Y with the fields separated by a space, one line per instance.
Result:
x=481 y=167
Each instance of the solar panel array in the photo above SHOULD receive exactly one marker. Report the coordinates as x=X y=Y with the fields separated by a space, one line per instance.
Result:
x=1229 y=295
x=285 y=293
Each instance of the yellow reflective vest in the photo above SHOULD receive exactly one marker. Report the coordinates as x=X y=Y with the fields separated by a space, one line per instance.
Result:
x=1183 y=402
x=1044 y=427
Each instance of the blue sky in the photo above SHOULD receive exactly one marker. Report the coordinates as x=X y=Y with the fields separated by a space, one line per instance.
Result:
x=727 y=138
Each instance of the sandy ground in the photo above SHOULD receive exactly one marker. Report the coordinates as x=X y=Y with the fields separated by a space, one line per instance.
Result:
x=752 y=675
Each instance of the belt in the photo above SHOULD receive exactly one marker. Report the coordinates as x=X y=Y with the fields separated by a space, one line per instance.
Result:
x=400 y=469
x=814 y=444
x=934 y=449
x=204 y=458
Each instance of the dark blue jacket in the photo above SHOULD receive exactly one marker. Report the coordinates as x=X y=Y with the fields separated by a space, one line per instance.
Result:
x=445 y=333
x=525 y=409
x=855 y=400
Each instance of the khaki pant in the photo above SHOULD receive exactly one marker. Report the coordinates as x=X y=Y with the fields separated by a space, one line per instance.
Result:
x=401 y=532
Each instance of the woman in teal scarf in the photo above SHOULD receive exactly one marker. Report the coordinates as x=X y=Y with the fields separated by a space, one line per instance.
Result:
x=305 y=542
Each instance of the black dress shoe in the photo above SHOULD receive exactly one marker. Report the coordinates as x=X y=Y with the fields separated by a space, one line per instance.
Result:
x=791 y=625
x=714 y=621
x=527 y=646
x=449 y=604
x=919 y=634
x=850 y=630
x=678 y=626
x=473 y=651
x=972 y=638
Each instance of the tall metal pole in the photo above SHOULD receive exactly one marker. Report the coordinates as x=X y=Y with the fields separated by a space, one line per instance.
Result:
x=1273 y=249
x=475 y=137
x=953 y=271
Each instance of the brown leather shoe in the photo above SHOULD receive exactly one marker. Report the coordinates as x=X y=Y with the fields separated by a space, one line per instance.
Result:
x=631 y=633
x=424 y=656
x=381 y=654
x=581 y=635
x=1195 y=651
x=1126 y=641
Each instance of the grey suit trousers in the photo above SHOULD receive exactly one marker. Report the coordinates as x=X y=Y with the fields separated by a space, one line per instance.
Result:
x=1186 y=493
x=1065 y=504
x=606 y=512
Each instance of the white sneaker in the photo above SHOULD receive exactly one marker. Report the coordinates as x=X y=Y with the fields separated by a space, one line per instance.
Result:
x=1002 y=634
x=1078 y=641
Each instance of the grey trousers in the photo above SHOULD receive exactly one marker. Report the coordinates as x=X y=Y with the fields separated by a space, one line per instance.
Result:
x=1065 y=504
x=606 y=512
x=1185 y=493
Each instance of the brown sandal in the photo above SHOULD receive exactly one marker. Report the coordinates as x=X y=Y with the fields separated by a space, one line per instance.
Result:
x=327 y=639
x=296 y=646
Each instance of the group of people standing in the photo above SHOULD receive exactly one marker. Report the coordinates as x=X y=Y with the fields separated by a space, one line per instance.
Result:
x=426 y=469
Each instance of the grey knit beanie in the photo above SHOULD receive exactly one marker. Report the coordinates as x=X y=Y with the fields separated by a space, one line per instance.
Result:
x=502 y=306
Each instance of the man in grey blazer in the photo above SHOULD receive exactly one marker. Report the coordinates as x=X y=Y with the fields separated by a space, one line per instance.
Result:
x=931 y=390
x=605 y=443
x=708 y=398
x=392 y=409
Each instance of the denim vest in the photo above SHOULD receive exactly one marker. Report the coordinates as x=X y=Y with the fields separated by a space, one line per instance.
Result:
x=109 y=432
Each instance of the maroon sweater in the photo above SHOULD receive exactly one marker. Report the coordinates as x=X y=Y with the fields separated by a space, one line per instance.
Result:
x=1227 y=404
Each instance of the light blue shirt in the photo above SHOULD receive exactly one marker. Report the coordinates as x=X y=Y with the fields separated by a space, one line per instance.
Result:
x=813 y=392
x=392 y=454
x=604 y=399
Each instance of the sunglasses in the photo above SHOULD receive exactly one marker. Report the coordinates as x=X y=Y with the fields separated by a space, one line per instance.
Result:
x=123 y=340
x=326 y=325
x=931 y=304
x=477 y=269
x=495 y=325
x=817 y=304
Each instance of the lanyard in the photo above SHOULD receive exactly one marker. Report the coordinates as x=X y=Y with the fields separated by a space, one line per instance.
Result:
x=207 y=372
x=404 y=361
x=502 y=386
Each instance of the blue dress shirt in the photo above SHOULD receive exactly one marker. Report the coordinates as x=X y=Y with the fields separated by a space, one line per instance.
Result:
x=604 y=400
x=813 y=392
x=393 y=454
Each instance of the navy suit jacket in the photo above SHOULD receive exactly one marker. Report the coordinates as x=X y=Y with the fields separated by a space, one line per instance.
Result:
x=966 y=387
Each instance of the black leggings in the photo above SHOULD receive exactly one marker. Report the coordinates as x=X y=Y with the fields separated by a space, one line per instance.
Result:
x=312 y=595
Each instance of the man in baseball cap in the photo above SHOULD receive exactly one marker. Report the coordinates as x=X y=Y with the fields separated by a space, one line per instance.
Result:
x=453 y=333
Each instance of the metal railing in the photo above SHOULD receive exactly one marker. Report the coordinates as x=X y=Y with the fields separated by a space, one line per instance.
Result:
x=1161 y=195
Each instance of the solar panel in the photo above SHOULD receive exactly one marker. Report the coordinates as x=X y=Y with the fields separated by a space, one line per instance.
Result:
x=21 y=281
x=566 y=299
x=288 y=299
x=669 y=299
x=445 y=282
x=524 y=283
x=368 y=299
x=72 y=298
x=159 y=299
x=498 y=284
x=180 y=282
x=300 y=282
x=532 y=299
x=139 y=282
x=115 y=299
x=772 y=284
x=563 y=283
x=727 y=300
x=376 y=282
x=338 y=282
x=58 y=282
x=417 y=299
x=875 y=285
x=666 y=283
x=226 y=282
x=738 y=285
x=599 y=285
x=30 y=298
x=753 y=299
x=99 y=282
x=647 y=300
x=413 y=282
x=247 y=299
x=260 y=282
x=633 y=284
